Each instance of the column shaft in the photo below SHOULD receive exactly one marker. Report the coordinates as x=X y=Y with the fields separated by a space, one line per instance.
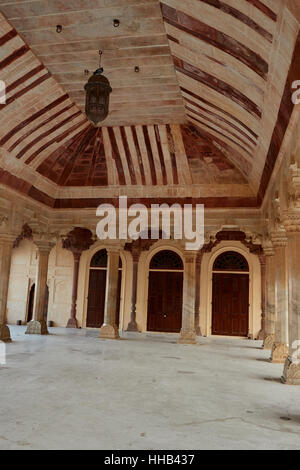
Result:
x=291 y=374
x=188 y=332
x=197 y=293
x=38 y=325
x=72 y=322
x=280 y=346
x=109 y=329
x=262 y=333
x=132 y=326
x=5 y=263
x=270 y=303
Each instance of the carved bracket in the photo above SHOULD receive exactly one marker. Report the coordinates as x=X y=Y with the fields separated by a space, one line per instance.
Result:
x=26 y=234
x=78 y=240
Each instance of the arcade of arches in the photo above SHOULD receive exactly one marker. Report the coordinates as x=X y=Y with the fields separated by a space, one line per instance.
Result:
x=209 y=118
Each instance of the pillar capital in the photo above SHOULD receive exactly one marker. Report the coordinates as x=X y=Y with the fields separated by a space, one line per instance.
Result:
x=44 y=240
x=291 y=220
x=113 y=250
x=268 y=247
x=137 y=247
x=293 y=183
x=26 y=234
x=190 y=256
x=44 y=246
x=78 y=240
x=269 y=251
x=7 y=239
x=279 y=238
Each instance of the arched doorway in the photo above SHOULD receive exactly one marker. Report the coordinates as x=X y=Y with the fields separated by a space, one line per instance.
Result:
x=97 y=288
x=31 y=303
x=230 y=299
x=165 y=293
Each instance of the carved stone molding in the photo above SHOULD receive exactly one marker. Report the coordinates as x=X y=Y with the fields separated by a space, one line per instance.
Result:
x=3 y=219
x=279 y=238
x=294 y=187
x=268 y=249
x=136 y=247
x=26 y=234
x=233 y=235
x=291 y=373
x=280 y=353
x=291 y=220
x=78 y=240
x=268 y=342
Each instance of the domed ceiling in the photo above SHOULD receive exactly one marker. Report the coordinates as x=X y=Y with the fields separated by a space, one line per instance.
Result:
x=203 y=119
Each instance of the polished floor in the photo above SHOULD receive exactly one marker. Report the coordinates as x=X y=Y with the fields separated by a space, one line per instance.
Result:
x=71 y=390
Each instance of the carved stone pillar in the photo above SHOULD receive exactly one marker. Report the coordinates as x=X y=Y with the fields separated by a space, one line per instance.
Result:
x=291 y=373
x=77 y=241
x=109 y=329
x=188 y=332
x=280 y=346
x=270 y=299
x=197 y=292
x=6 y=246
x=132 y=325
x=135 y=248
x=38 y=325
x=72 y=322
x=263 y=265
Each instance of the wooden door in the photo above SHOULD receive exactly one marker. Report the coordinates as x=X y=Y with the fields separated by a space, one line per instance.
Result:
x=96 y=298
x=230 y=305
x=165 y=302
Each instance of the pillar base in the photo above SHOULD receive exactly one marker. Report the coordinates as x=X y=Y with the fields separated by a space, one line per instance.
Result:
x=187 y=337
x=5 y=334
x=109 y=332
x=72 y=323
x=261 y=335
x=291 y=373
x=198 y=331
x=132 y=326
x=37 y=328
x=280 y=352
x=268 y=342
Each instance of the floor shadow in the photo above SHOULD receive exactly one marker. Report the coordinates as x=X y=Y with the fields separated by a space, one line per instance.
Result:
x=273 y=379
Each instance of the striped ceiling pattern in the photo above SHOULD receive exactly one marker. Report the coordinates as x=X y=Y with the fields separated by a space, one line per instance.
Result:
x=225 y=53
x=159 y=155
x=202 y=112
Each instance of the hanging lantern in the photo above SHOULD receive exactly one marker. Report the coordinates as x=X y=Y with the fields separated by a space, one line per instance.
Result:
x=97 y=90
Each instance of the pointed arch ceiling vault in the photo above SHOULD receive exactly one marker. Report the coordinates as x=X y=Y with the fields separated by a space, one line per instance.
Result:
x=203 y=120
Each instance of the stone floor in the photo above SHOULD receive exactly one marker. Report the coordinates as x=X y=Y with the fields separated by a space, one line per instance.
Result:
x=71 y=390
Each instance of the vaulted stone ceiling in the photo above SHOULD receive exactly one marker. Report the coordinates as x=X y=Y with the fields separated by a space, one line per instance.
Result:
x=204 y=118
